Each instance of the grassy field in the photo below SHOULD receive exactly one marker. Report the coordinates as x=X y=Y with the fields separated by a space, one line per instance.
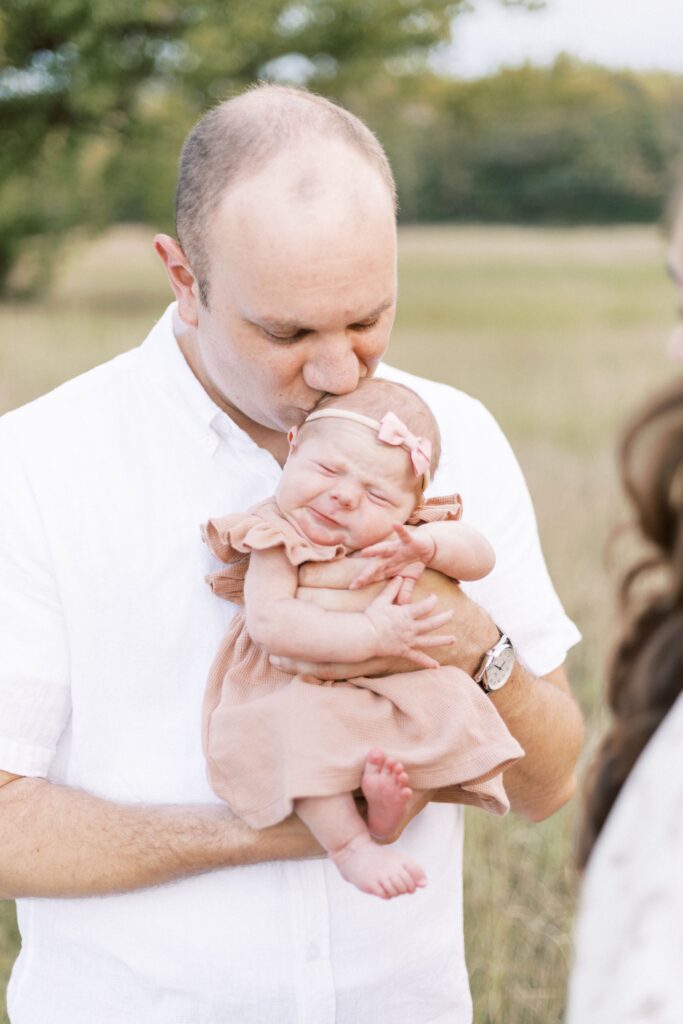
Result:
x=560 y=333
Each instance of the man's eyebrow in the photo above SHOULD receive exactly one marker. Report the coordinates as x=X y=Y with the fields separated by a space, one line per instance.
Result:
x=374 y=313
x=281 y=326
x=292 y=327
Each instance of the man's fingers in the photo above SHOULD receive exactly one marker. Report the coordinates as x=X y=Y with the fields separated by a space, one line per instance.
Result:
x=332 y=669
x=321 y=670
x=387 y=595
x=421 y=659
x=291 y=666
x=367 y=576
x=330 y=575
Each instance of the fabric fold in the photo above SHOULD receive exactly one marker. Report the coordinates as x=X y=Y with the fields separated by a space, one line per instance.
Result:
x=270 y=738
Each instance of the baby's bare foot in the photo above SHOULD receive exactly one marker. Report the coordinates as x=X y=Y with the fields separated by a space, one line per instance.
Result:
x=385 y=787
x=378 y=870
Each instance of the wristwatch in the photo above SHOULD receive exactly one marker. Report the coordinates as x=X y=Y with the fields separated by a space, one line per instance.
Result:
x=497 y=666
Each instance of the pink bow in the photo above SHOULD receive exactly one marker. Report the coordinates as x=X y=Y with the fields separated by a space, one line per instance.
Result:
x=392 y=430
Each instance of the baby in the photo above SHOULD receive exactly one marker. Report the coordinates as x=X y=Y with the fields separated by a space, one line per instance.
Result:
x=354 y=478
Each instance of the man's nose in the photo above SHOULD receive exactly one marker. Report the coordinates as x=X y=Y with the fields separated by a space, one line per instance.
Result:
x=334 y=367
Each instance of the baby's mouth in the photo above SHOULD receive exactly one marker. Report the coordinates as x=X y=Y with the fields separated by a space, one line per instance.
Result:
x=321 y=517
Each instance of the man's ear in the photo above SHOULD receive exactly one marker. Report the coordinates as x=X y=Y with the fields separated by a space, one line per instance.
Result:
x=183 y=281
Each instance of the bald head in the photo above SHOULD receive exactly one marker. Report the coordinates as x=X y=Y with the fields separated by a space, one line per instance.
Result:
x=324 y=154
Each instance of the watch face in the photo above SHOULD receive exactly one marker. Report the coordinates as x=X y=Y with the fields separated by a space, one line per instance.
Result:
x=500 y=669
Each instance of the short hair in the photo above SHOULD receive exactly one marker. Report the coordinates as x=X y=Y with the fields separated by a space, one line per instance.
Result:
x=375 y=396
x=240 y=136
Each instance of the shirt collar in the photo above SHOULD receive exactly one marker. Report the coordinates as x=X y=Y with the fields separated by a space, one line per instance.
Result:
x=169 y=371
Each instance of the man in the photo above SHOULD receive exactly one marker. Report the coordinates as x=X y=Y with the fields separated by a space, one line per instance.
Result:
x=285 y=280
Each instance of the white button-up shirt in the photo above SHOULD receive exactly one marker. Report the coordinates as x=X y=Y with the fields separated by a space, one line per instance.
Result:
x=107 y=631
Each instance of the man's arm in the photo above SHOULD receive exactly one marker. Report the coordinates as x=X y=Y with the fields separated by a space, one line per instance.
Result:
x=539 y=712
x=302 y=629
x=57 y=841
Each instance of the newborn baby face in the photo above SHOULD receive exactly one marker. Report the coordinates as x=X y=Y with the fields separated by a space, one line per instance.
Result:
x=340 y=485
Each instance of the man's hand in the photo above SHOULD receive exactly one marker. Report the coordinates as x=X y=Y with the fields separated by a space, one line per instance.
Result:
x=56 y=841
x=539 y=712
x=327 y=584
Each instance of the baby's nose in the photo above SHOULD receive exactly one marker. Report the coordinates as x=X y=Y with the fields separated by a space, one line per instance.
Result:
x=346 y=494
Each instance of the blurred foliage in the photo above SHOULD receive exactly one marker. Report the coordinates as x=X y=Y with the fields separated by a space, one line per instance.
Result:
x=572 y=143
x=96 y=97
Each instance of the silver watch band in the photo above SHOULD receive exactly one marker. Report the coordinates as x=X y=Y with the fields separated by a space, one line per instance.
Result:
x=497 y=665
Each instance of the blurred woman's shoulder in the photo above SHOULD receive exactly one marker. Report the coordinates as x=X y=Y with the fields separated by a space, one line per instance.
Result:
x=629 y=960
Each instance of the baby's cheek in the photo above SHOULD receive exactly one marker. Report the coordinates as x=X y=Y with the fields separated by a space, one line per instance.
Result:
x=383 y=527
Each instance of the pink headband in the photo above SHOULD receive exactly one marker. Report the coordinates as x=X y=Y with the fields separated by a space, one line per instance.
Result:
x=391 y=430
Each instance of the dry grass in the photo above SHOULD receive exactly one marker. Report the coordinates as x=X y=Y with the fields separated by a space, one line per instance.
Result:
x=559 y=332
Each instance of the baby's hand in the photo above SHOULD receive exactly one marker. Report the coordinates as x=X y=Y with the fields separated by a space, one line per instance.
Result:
x=401 y=629
x=404 y=556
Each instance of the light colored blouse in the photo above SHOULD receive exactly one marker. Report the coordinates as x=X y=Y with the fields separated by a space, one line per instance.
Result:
x=629 y=938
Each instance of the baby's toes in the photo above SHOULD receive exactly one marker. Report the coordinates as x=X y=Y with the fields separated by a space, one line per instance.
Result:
x=388 y=889
x=407 y=881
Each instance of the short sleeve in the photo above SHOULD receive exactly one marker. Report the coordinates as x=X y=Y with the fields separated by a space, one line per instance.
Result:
x=518 y=593
x=34 y=691
x=261 y=529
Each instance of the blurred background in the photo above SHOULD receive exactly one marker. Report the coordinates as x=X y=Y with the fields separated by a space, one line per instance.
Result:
x=534 y=147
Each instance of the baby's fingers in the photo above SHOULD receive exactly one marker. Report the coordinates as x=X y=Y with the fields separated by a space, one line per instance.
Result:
x=381 y=549
x=434 y=641
x=369 y=575
x=433 y=622
x=389 y=593
x=406 y=592
x=423 y=607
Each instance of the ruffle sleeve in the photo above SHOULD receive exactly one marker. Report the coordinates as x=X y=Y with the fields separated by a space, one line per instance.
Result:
x=437 y=510
x=232 y=538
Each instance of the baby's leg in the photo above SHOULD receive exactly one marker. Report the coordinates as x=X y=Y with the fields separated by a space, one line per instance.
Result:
x=339 y=828
x=391 y=801
x=385 y=787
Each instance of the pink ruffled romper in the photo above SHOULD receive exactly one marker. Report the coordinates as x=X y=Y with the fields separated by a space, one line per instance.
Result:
x=270 y=738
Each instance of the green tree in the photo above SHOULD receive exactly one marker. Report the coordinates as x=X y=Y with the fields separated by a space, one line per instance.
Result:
x=95 y=96
x=570 y=143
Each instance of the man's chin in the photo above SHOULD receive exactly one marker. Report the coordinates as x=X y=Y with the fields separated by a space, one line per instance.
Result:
x=294 y=418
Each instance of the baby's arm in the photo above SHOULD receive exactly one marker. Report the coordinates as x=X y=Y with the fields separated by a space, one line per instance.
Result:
x=453 y=548
x=292 y=628
x=459 y=551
